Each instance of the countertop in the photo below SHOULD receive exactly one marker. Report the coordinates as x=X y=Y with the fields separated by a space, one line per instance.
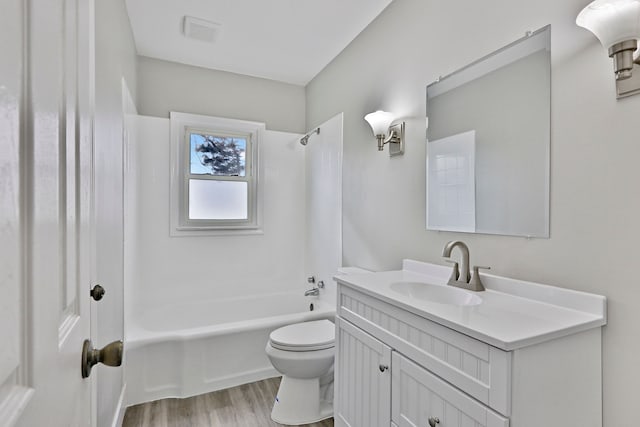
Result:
x=513 y=313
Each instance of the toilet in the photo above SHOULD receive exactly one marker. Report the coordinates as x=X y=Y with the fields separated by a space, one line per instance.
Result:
x=303 y=353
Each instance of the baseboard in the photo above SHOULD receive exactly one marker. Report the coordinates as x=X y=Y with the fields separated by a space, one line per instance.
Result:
x=120 y=409
x=143 y=396
x=239 y=379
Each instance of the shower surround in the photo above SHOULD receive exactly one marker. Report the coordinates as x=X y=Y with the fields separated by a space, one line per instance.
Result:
x=210 y=301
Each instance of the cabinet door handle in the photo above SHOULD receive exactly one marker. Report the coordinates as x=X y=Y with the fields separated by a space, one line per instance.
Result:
x=383 y=368
x=433 y=421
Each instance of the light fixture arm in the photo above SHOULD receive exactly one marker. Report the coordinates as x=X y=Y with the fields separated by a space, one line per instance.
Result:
x=393 y=138
x=622 y=54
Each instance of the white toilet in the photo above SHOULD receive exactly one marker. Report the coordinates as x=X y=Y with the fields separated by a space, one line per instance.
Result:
x=303 y=353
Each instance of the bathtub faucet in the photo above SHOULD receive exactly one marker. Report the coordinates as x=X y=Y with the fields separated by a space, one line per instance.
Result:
x=315 y=291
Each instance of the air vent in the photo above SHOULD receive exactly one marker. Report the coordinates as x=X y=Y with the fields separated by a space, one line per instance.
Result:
x=202 y=30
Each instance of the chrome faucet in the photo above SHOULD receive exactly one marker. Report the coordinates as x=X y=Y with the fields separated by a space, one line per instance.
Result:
x=315 y=291
x=462 y=279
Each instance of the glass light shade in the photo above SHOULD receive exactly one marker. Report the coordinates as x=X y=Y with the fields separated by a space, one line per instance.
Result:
x=612 y=21
x=379 y=122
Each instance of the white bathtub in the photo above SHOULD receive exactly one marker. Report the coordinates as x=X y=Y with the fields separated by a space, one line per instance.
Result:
x=186 y=349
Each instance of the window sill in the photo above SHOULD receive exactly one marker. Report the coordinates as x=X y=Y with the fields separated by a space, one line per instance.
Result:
x=194 y=231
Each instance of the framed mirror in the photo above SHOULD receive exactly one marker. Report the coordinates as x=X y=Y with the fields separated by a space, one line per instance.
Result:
x=488 y=143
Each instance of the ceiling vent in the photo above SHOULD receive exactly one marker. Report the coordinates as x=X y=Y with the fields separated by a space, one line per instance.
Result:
x=202 y=30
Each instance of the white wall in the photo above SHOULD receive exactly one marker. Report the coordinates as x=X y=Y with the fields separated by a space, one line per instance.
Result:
x=323 y=206
x=595 y=202
x=115 y=61
x=168 y=86
x=169 y=269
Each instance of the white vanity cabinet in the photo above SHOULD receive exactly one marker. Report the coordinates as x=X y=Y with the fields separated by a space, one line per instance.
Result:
x=395 y=367
x=375 y=385
x=362 y=378
x=419 y=397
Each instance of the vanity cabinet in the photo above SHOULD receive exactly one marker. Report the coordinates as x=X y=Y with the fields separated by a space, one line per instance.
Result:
x=362 y=378
x=419 y=397
x=377 y=386
x=398 y=368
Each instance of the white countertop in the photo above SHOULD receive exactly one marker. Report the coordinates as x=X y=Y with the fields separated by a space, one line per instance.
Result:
x=513 y=313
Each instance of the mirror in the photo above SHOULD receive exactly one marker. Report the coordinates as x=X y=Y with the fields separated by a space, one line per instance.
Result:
x=488 y=131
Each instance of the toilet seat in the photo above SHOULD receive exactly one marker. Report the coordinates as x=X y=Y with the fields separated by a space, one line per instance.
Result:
x=306 y=336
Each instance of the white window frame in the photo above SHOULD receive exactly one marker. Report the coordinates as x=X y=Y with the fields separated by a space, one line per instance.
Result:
x=182 y=125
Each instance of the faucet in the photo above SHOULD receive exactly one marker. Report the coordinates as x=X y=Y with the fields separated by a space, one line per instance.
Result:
x=315 y=291
x=463 y=279
x=446 y=252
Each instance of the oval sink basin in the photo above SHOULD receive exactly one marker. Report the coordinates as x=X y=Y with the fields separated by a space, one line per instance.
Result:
x=436 y=293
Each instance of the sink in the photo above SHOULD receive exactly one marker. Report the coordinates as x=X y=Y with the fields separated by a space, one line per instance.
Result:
x=436 y=293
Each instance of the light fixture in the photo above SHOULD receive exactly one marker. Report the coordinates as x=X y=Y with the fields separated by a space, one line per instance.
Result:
x=616 y=23
x=380 y=123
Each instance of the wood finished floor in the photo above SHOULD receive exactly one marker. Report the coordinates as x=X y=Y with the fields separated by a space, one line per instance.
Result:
x=247 y=405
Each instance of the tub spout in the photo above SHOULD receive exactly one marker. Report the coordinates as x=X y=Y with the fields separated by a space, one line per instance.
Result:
x=313 y=292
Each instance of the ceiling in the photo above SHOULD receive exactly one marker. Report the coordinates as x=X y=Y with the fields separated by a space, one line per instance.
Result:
x=284 y=40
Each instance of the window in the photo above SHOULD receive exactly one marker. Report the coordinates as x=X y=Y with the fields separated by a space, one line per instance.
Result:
x=215 y=175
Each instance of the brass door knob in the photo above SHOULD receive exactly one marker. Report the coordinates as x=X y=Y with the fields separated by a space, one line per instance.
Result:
x=110 y=355
x=97 y=292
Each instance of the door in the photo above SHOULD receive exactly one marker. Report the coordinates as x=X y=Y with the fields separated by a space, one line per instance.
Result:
x=45 y=210
x=422 y=399
x=362 y=379
x=108 y=314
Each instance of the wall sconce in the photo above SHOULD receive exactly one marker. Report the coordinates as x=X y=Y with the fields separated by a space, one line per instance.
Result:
x=380 y=123
x=616 y=23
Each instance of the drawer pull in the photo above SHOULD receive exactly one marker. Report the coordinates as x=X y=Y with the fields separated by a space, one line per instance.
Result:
x=383 y=368
x=433 y=421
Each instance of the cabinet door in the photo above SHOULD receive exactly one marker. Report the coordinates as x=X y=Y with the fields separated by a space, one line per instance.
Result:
x=362 y=379
x=418 y=396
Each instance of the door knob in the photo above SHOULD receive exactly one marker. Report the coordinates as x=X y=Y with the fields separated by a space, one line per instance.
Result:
x=383 y=368
x=433 y=421
x=97 y=292
x=110 y=355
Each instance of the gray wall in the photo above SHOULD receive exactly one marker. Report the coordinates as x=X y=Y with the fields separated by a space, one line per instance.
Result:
x=168 y=86
x=595 y=201
x=115 y=61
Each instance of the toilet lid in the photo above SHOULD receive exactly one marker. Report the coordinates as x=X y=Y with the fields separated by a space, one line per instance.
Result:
x=306 y=336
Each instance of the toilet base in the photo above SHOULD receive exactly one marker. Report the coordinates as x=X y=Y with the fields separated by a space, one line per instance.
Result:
x=301 y=401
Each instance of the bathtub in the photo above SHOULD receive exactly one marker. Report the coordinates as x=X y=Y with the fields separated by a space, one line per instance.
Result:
x=185 y=349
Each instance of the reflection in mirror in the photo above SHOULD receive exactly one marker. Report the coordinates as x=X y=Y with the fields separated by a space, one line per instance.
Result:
x=489 y=142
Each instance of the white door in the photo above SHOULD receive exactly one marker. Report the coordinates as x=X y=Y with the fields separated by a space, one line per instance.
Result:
x=108 y=314
x=46 y=80
x=362 y=379
x=422 y=399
